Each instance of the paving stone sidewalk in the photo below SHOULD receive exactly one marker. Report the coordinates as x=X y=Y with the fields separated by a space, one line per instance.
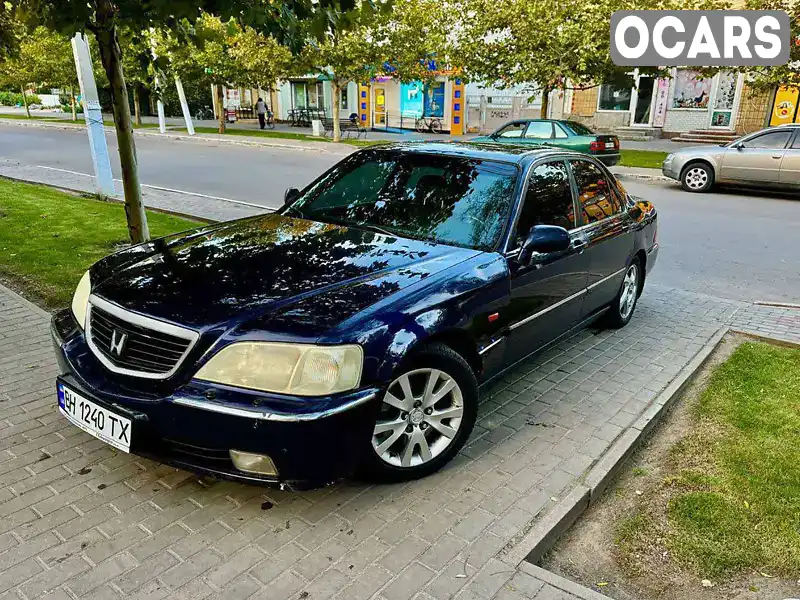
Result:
x=79 y=519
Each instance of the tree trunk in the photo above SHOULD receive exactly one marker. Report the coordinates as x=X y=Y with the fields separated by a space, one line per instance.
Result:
x=221 y=112
x=111 y=54
x=25 y=101
x=337 y=129
x=137 y=107
x=72 y=103
x=545 y=102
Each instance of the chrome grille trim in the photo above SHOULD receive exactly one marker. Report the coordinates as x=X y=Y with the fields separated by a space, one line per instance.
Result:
x=142 y=321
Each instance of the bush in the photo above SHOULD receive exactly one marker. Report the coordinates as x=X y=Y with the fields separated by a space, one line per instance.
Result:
x=14 y=98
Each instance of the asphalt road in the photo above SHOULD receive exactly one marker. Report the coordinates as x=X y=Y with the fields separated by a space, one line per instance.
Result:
x=251 y=174
x=730 y=244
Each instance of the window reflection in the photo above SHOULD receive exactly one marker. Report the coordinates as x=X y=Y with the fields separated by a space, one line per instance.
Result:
x=548 y=200
x=597 y=198
x=457 y=201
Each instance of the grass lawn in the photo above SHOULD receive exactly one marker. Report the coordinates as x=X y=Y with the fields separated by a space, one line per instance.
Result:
x=287 y=135
x=49 y=238
x=731 y=500
x=24 y=117
x=649 y=159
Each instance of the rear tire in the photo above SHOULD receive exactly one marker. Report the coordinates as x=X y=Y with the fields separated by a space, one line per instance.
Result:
x=697 y=177
x=624 y=304
x=426 y=416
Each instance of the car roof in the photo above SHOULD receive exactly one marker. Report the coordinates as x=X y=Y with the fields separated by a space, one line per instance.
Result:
x=516 y=154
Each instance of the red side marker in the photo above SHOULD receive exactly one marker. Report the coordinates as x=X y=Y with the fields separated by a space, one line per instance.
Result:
x=493 y=317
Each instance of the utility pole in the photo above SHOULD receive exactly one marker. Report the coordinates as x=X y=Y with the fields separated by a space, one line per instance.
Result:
x=103 y=178
x=184 y=106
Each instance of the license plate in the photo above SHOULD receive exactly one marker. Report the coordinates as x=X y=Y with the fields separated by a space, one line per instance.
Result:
x=609 y=145
x=100 y=422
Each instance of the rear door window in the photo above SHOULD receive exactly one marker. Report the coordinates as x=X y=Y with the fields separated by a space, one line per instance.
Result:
x=596 y=197
x=539 y=130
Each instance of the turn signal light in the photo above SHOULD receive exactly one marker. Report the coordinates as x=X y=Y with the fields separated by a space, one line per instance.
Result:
x=259 y=464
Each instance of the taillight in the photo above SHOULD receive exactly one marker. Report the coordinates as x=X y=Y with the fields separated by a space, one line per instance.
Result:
x=596 y=146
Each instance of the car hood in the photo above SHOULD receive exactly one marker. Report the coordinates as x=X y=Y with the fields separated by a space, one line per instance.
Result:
x=250 y=269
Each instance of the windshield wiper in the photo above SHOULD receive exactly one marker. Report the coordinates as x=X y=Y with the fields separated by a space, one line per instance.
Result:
x=376 y=229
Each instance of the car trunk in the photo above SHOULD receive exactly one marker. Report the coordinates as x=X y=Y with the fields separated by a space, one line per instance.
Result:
x=604 y=144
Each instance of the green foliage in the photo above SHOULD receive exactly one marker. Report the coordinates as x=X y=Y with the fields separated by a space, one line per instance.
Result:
x=766 y=78
x=549 y=44
x=262 y=58
x=15 y=98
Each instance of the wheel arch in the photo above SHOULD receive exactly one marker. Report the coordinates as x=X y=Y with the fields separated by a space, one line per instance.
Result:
x=642 y=256
x=697 y=161
x=460 y=341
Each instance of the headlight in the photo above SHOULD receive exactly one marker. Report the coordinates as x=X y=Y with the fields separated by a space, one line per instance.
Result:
x=80 y=300
x=669 y=158
x=299 y=369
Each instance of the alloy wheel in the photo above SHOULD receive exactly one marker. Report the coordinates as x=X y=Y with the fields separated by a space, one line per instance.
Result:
x=627 y=298
x=696 y=178
x=420 y=416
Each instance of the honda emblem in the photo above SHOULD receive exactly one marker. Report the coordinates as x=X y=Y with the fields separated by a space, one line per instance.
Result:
x=118 y=340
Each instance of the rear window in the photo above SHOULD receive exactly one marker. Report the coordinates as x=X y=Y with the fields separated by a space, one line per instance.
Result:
x=579 y=128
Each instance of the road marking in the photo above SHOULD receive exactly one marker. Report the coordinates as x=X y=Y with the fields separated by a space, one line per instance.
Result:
x=166 y=189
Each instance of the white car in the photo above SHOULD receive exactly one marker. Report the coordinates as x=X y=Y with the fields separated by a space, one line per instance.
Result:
x=767 y=158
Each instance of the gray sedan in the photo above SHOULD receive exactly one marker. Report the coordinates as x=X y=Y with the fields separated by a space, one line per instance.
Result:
x=767 y=158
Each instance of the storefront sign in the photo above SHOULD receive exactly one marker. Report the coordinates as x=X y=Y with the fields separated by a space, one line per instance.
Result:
x=662 y=97
x=785 y=106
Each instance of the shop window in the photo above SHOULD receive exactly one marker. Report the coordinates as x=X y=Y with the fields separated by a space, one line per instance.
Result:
x=691 y=90
x=613 y=97
x=434 y=100
x=343 y=101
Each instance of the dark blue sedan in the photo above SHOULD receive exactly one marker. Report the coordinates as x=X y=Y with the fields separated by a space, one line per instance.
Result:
x=351 y=330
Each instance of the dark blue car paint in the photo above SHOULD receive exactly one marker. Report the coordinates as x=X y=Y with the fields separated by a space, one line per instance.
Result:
x=280 y=278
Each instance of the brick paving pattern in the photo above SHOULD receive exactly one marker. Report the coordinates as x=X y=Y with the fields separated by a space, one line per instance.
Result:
x=79 y=519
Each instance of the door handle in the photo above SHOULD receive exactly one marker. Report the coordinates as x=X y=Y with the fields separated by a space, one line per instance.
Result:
x=780 y=156
x=579 y=243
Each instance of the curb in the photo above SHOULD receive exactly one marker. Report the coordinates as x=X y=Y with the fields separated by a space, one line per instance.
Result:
x=643 y=177
x=195 y=138
x=558 y=521
x=114 y=199
x=558 y=582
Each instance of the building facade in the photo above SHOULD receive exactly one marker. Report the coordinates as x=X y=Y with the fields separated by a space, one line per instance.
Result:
x=684 y=102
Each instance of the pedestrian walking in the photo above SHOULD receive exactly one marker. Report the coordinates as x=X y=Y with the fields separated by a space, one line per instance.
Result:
x=261 y=109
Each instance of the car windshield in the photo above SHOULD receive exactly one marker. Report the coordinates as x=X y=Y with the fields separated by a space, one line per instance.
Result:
x=579 y=128
x=451 y=200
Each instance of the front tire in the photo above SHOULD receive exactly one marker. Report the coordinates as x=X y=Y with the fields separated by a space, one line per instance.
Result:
x=622 y=307
x=697 y=177
x=425 y=417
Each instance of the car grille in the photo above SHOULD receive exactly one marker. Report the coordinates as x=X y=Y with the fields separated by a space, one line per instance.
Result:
x=142 y=348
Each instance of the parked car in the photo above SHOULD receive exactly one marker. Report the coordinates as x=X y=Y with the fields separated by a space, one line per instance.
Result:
x=569 y=135
x=353 y=328
x=769 y=158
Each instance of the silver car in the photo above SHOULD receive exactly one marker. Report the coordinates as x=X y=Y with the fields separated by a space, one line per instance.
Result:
x=767 y=158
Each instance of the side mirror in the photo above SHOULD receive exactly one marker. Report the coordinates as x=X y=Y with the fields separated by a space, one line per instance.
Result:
x=543 y=239
x=290 y=195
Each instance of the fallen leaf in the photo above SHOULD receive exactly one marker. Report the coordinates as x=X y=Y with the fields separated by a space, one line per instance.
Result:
x=707 y=584
x=746 y=504
x=601 y=584
x=638 y=492
x=461 y=576
x=766 y=575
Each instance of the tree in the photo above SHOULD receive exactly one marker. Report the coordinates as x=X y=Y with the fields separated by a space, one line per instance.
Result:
x=9 y=35
x=413 y=37
x=103 y=18
x=137 y=65
x=50 y=62
x=546 y=44
x=203 y=51
x=344 y=49
x=767 y=78
x=263 y=60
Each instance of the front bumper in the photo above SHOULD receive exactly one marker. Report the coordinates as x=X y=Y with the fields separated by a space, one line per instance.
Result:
x=668 y=170
x=196 y=425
